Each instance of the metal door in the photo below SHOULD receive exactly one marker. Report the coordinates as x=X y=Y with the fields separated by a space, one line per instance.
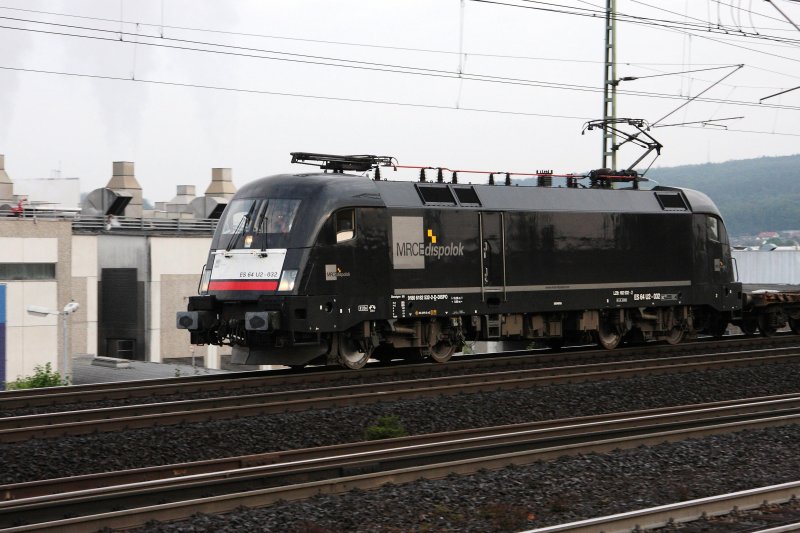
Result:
x=493 y=262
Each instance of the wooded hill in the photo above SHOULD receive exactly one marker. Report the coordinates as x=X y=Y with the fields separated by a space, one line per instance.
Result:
x=754 y=195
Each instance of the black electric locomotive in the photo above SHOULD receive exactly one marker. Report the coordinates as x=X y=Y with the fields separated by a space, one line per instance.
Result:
x=338 y=268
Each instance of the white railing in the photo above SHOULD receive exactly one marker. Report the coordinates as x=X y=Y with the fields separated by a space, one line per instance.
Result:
x=94 y=224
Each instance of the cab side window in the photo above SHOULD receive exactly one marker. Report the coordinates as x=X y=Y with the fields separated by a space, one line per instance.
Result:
x=345 y=224
x=713 y=228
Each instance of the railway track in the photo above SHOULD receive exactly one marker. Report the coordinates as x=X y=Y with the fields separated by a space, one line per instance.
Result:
x=59 y=424
x=227 y=384
x=178 y=491
x=689 y=511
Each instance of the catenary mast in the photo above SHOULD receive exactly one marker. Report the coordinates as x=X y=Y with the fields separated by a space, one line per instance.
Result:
x=610 y=88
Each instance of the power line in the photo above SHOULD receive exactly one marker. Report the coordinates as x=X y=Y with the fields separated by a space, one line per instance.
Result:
x=368 y=65
x=342 y=99
x=736 y=86
x=322 y=41
x=636 y=19
x=709 y=22
x=288 y=94
x=382 y=67
x=730 y=31
x=396 y=69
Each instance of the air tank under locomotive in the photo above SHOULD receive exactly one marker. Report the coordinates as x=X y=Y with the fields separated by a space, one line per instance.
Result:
x=337 y=268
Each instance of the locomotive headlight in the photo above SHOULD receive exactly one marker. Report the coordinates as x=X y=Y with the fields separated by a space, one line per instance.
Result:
x=204 y=280
x=287 y=280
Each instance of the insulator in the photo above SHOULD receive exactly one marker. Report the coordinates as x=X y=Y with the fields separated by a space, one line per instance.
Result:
x=455 y=178
x=491 y=179
x=377 y=173
x=422 y=175
x=508 y=178
x=440 y=177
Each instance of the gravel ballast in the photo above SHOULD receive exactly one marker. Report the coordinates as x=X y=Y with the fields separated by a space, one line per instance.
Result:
x=504 y=499
x=546 y=493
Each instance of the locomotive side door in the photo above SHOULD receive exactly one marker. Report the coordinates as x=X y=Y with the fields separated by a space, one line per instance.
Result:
x=493 y=257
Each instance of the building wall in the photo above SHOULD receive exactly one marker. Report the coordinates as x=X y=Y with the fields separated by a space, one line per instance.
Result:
x=175 y=266
x=85 y=275
x=35 y=340
x=128 y=320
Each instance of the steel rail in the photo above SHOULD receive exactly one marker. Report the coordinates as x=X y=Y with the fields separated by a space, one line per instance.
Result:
x=220 y=492
x=88 y=481
x=655 y=517
x=49 y=425
x=76 y=394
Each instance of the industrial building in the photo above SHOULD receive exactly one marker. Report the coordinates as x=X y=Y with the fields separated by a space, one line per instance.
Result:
x=128 y=268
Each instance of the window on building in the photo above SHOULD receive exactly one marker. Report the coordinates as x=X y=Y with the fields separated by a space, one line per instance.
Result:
x=27 y=271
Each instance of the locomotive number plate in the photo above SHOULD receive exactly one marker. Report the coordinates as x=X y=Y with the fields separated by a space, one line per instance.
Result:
x=248 y=264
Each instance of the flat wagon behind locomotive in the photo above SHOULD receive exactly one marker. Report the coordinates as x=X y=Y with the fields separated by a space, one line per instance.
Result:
x=338 y=268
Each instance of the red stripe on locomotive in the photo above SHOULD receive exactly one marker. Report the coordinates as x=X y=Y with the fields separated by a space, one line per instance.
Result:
x=243 y=286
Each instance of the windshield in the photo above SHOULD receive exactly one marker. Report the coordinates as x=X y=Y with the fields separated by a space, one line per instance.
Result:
x=250 y=223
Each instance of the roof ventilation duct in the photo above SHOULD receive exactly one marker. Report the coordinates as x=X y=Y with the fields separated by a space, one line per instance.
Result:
x=104 y=201
x=207 y=207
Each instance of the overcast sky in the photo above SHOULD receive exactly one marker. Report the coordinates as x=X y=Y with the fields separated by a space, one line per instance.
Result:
x=270 y=85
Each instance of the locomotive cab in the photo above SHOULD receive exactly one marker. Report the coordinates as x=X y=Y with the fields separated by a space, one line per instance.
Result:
x=250 y=245
x=282 y=250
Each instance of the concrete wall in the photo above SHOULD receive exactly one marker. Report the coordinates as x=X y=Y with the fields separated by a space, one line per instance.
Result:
x=175 y=267
x=34 y=340
x=85 y=275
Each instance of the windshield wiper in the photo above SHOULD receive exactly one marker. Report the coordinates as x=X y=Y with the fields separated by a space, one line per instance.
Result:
x=239 y=227
x=263 y=226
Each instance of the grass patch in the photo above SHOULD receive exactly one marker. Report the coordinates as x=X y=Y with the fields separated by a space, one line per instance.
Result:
x=43 y=376
x=387 y=427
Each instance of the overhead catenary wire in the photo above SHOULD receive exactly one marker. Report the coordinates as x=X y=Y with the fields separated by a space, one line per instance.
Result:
x=338 y=59
x=289 y=94
x=695 y=97
x=635 y=19
x=773 y=4
x=396 y=69
x=161 y=26
x=738 y=8
x=478 y=77
x=344 y=99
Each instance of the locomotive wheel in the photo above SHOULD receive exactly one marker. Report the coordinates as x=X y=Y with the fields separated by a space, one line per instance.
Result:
x=675 y=336
x=350 y=354
x=794 y=325
x=442 y=351
x=748 y=326
x=608 y=336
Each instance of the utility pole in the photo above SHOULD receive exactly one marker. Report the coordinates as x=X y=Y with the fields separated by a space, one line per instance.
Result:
x=610 y=88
